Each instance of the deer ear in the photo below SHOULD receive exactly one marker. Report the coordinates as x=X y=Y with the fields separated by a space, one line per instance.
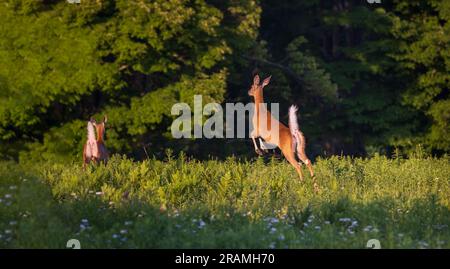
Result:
x=105 y=119
x=266 y=81
x=256 y=80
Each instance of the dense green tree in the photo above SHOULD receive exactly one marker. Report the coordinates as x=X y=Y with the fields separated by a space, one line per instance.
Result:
x=61 y=63
x=367 y=77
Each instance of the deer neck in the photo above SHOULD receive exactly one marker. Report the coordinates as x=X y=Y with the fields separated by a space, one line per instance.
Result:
x=259 y=100
x=100 y=135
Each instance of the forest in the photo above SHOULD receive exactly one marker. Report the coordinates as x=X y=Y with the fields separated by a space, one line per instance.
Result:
x=369 y=78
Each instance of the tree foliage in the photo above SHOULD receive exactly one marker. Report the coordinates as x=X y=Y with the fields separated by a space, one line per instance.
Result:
x=367 y=77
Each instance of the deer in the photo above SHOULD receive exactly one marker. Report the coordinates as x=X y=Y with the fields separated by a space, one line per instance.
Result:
x=94 y=148
x=290 y=140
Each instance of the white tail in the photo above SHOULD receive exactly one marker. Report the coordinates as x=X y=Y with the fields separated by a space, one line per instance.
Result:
x=91 y=144
x=293 y=124
x=299 y=138
x=91 y=132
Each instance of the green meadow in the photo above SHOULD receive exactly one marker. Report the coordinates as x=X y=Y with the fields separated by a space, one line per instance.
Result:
x=235 y=203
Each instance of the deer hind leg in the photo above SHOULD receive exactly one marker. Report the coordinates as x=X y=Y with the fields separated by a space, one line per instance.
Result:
x=299 y=138
x=308 y=164
x=290 y=157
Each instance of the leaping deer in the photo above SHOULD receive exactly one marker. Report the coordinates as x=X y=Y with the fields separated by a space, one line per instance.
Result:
x=95 y=149
x=290 y=140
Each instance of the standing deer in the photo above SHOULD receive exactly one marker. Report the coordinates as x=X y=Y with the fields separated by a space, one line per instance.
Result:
x=290 y=140
x=95 y=149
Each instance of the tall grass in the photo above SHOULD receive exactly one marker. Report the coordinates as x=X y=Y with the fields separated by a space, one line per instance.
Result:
x=182 y=203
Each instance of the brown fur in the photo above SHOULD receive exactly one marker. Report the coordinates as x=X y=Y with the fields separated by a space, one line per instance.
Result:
x=102 y=153
x=284 y=140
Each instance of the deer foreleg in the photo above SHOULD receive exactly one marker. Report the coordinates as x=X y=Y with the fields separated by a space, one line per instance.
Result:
x=257 y=150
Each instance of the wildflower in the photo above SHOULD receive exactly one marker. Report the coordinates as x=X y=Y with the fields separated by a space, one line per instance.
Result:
x=8 y=196
x=327 y=222
x=84 y=221
x=13 y=187
x=423 y=244
x=273 y=230
x=272 y=245
x=128 y=223
x=305 y=224
x=8 y=231
x=13 y=222
x=99 y=193
x=345 y=219
x=317 y=228
x=123 y=231
x=201 y=224
x=1 y=200
x=281 y=237
x=115 y=236
x=367 y=228
x=82 y=227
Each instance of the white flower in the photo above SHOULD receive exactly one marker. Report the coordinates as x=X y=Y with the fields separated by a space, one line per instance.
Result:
x=99 y=193
x=115 y=236
x=13 y=222
x=201 y=224
x=345 y=219
x=8 y=231
x=128 y=223
x=82 y=226
x=317 y=228
x=327 y=222
x=13 y=187
x=84 y=221
x=273 y=230
x=123 y=231
x=8 y=196
x=368 y=228
x=281 y=237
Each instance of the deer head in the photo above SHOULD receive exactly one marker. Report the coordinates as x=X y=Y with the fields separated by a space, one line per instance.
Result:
x=257 y=89
x=100 y=128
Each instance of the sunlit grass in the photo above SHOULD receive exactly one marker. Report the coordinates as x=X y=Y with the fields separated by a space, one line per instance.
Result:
x=184 y=203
